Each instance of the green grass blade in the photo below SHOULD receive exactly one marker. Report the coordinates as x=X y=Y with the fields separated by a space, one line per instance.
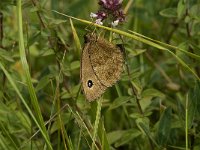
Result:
x=197 y=57
x=96 y=124
x=3 y=144
x=25 y=66
x=76 y=38
x=7 y=134
x=186 y=124
x=23 y=100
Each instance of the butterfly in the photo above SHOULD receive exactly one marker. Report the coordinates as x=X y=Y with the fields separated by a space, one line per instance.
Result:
x=101 y=65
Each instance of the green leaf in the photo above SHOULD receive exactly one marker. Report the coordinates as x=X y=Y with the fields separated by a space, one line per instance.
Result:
x=6 y=3
x=119 y=102
x=47 y=52
x=34 y=38
x=127 y=136
x=75 y=65
x=133 y=75
x=149 y=93
x=164 y=127
x=5 y=55
x=135 y=115
x=193 y=104
x=181 y=9
x=169 y=13
x=34 y=9
x=72 y=93
x=143 y=125
x=115 y=136
x=147 y=96
x=42 y=83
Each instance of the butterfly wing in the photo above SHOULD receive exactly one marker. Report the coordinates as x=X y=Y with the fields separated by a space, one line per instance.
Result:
x=92 y=87
x=106 y=60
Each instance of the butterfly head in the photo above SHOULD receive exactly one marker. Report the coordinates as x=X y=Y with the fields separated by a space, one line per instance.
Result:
x=90 y=37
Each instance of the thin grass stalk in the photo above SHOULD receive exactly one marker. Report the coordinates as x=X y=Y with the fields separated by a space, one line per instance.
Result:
x=23 y=100
x=8 y=135
x=2 y=143
x=25 y=66
x=186 y=123
x=96 y=124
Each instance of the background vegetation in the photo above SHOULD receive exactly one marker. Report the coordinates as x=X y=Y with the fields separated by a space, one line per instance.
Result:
x=154 y=106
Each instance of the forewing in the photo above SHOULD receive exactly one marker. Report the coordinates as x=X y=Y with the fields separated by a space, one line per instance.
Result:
x=107 y=61
x=87 y=73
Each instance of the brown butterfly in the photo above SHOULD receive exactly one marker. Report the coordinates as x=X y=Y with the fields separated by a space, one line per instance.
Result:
x=101 y=66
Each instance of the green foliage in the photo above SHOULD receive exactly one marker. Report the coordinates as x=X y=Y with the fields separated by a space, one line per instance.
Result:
x=155 y=105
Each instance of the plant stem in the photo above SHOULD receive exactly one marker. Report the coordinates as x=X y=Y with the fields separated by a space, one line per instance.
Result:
x=96 y=124
x=186 y=123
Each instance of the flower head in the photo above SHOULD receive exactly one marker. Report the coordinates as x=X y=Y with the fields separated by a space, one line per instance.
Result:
x=93 y=15
x=99 y=21
x=109 y=9
x=119 y=15
x=101 y=15
x=115 y=23
x=112 y=5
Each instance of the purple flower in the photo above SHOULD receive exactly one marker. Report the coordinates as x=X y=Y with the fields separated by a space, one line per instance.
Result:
x=109 y=9
x=99 y=21
x=101 y=15
x=119 y=15
x=112 y=5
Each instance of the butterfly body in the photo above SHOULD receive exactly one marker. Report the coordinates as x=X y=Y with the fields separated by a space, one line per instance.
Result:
x=101 y=66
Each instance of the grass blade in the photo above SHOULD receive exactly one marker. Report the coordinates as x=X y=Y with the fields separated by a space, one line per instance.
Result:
x=25 y=66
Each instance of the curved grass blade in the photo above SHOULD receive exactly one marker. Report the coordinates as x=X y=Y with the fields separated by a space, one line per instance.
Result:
x=23 y=101
x=197 y=57
x=25 y=66
x=76 y=39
